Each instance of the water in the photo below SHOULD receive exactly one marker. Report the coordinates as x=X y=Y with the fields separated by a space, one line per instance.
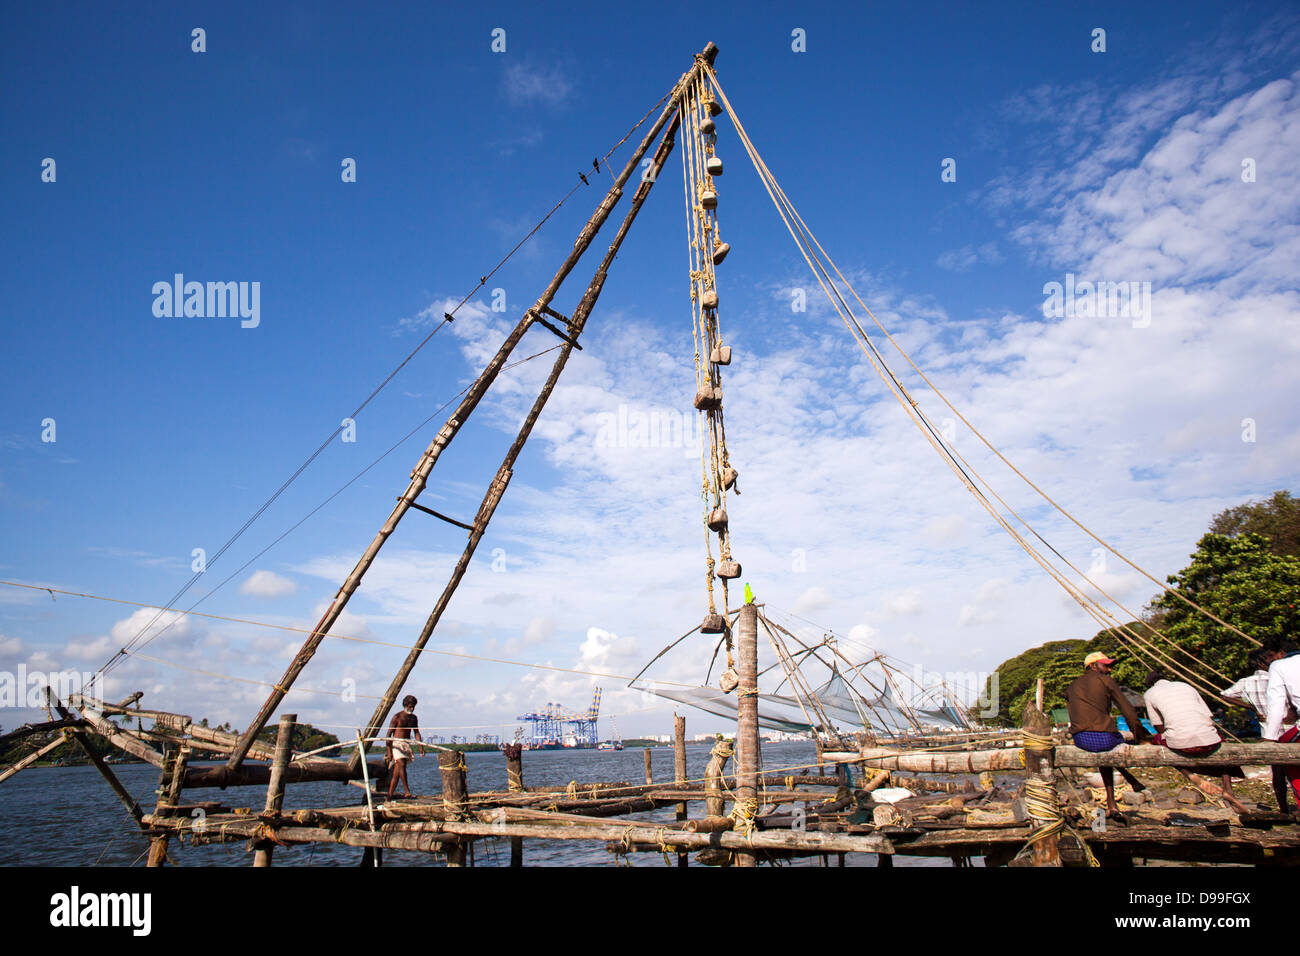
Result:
x=67 y=816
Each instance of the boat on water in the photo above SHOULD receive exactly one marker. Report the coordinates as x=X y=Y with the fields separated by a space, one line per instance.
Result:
x=610 y=745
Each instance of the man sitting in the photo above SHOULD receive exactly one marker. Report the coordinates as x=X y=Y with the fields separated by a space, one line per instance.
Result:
x=1089 y=699
x=1185 y=725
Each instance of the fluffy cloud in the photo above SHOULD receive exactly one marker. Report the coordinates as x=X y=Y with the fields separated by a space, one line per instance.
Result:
x=267 y=584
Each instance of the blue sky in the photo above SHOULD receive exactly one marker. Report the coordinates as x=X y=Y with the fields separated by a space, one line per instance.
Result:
x=225 y=166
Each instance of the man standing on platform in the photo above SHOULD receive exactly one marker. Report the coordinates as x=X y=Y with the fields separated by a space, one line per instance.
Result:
x=1283 y=698
x=1253 y=691
x=398 y=752
x=1089 y=699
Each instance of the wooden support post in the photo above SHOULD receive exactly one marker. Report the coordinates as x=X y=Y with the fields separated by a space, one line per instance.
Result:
x=1038 y=694
x=454 y=798
x=1040 y=785
x=515 y=784
x=714 y=802
x=170 y=784
x=679 y=773
x=275 y=788
x=649 y=776
x=748 y=755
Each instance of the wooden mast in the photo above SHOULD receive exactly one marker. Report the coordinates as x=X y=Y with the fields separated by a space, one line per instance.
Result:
x=420 y=475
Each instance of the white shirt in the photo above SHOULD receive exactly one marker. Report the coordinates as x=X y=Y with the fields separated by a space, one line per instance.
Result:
x=1283 y=689
x=1179 y=709
x=1253 y=690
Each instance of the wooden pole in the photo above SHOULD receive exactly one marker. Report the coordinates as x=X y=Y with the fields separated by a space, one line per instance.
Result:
x=275 y=788
x=420 y=475
x=1129 y=755
x=1038 y=694
x=576 y=324
x=715 y=804
x=649 y=776
x=34 y=756
x=679 y=773
x=170 y=785
x=454 y=797
x=515 y=784
x=748 y=755
x=1040 y=786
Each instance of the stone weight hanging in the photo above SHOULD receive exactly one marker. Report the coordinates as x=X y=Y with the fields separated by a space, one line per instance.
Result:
x=729 y=680
x=718 y=520
x=720 y=252
x=721 y=355
x=714 y=166
x=729 y=476
x=713 y=624
x=708 y=397
x=709 y=300
x=707 y=125
x=709 y=199
x=728 y=570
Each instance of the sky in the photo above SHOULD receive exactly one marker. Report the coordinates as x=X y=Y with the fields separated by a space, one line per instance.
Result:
x=956 y=160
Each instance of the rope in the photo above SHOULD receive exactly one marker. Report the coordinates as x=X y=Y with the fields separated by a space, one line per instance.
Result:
x=955 y=461
x=301 y=630
x=448 y=318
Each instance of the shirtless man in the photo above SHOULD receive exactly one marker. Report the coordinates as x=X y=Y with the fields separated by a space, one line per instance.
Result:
x=405 y=725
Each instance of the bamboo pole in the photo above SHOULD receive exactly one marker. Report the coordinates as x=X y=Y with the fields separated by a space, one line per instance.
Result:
x=748 y=755
x=1126 y=755
x=34 y=756
x=649 y=775
x=679 y=774
x=120 y=740
x=275 y=787
x=433 y=836
x=170 y=784
x=576 y=324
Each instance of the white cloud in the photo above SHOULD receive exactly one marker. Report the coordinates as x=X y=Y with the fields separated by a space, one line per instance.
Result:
x=267 y=584
x=525 y=84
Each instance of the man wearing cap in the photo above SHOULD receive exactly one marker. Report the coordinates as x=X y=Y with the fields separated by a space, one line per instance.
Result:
x=1089 y=699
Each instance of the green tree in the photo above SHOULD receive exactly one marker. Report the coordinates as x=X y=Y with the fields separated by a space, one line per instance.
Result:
x=1242 y=580
x=1277 y=518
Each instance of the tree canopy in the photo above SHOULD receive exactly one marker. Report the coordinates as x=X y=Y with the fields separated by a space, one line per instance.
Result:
x=1246 y=571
